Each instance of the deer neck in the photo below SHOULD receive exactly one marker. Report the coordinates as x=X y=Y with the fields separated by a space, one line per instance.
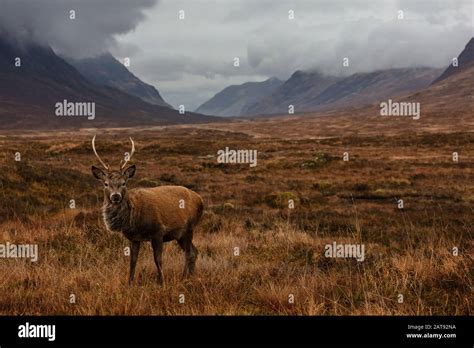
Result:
x=117 y=217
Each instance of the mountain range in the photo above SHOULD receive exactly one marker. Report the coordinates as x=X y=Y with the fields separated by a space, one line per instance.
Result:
x=314 y=91
x=33 y=79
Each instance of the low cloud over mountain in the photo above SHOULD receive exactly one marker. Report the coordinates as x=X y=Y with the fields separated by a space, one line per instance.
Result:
x=94 y=28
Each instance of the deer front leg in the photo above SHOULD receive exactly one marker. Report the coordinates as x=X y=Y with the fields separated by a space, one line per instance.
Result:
x=157 y=244
x=133 y=260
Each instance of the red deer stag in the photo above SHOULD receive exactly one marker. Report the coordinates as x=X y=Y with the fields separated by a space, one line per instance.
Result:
x=158 y=214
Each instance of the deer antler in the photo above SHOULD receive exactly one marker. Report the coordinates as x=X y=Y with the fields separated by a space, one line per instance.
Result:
x=97 y=155
x=129 y=157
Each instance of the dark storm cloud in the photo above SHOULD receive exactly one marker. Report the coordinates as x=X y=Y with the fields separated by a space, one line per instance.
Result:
x=94 y=29
x=192 y=59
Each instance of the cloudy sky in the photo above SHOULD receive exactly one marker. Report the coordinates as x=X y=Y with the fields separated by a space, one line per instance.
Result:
x=191 y=59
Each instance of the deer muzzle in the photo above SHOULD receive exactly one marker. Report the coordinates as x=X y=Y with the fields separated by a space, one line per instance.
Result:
x=115 y=197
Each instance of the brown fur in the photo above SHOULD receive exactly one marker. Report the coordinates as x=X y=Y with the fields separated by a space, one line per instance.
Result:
x=159 y=214
x=162 y=205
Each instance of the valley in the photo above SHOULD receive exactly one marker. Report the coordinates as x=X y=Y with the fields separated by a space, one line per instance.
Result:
x=281 y=246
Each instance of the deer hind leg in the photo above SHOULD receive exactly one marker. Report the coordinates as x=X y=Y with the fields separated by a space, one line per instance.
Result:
x=133 y=260
x=191 y=252
x=157 y=244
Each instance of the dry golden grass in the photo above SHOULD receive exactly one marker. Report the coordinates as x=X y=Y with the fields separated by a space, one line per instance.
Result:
x=407 y=251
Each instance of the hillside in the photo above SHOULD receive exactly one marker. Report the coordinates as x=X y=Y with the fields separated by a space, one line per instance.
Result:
x=105 y=70
x=234 y=100
x=465 y=60
x=299 y=88
x=29 y=93
x=315 y=92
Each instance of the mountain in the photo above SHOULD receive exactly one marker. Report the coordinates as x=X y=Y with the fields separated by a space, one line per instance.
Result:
x=300 y=87
x=365 y=88
x=29 y=93
x=312 y=91
x=453 y=95
x=452 y=92
x=234 y=100
x=465 y=59
x=105 y=70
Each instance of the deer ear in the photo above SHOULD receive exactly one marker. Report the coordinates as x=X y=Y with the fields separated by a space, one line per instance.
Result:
x=130 y=171
x=98 y=173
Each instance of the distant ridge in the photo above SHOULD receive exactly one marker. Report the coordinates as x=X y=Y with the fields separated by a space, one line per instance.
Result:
x=313 y=91
x=234 y=100
x=309 y=91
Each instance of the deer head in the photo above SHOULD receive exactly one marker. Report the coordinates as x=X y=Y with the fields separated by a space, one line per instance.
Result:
x=114 y=181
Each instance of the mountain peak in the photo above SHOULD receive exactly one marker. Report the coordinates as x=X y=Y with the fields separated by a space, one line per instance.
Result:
x=106 y=70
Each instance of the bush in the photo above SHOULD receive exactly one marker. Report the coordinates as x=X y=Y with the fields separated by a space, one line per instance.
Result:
x=317 y=161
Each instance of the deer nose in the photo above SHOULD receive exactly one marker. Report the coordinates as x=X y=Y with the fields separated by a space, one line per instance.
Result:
x=115 y=197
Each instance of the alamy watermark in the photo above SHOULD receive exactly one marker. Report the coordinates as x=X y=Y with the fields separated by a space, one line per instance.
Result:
x=85 y=109
x=393 y=108
x=356 y=251
x=237 y=156
x=14 y=251
x=37 y=331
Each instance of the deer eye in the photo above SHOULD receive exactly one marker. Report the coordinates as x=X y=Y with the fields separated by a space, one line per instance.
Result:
x=123 y=184
x=106 y=184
